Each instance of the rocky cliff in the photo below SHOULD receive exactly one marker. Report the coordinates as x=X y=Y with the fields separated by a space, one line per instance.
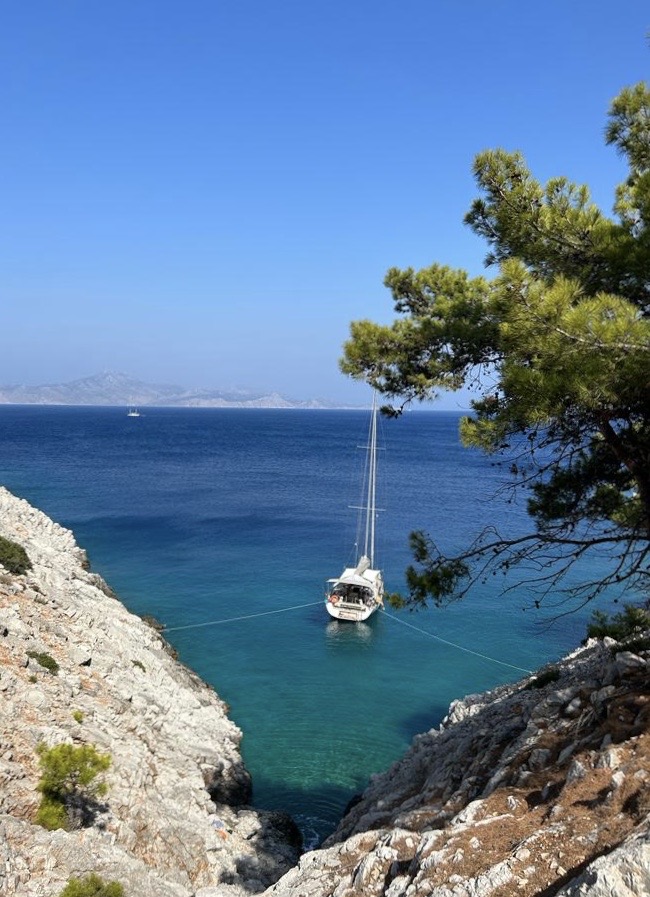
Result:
x=175 y=820
x=537 y=788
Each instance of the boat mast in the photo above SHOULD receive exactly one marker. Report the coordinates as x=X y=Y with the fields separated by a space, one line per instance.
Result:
x=372 y=483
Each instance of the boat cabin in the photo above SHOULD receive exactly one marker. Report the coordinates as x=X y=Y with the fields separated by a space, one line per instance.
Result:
x=349 y=593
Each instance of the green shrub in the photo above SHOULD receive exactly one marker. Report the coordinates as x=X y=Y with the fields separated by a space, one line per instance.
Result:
x=78 y=716
x=14 y=557
x=52 y=814
x=629 y=623
x=69 y=784
x=45 y=660
x=92 y=886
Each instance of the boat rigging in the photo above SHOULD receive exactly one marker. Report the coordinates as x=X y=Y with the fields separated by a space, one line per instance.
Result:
x=359 y=591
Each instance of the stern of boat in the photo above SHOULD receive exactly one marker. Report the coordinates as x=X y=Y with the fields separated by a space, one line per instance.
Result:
x=354 y=605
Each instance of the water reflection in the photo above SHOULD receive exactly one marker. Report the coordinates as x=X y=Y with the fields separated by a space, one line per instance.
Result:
x=346 y=633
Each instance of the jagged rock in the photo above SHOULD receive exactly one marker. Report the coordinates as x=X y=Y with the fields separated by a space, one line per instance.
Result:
x=235 y=789
x=625 y=872
x=576 y=771
x=627 y=662
x=81 y=656
x=565 y=753
x=573 y=708
x=539 y=758
x=489 y=803
x=34 y=862
x=175 y=754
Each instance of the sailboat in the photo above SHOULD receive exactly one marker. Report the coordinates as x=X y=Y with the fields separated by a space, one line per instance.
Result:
x=133 y=412
x=359 y=591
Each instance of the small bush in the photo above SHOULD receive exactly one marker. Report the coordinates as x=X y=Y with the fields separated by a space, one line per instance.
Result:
x=140 y=665
x=45 y=660
x=69 y=785
x=92 y=886
x=78 y=716
x=14 y=557
x=52 y=814
x=629 y=623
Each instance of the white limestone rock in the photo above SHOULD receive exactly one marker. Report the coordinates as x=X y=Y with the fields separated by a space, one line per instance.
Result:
x=174 y=752
x=625 y=872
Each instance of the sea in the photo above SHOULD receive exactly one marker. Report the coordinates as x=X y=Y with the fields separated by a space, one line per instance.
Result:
x=224 y=525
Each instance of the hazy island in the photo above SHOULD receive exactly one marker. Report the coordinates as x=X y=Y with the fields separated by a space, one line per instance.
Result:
x=110 y=389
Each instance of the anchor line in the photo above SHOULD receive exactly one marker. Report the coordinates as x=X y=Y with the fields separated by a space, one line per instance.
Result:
x=283 y=610
x=264 y=613
x=454 y=645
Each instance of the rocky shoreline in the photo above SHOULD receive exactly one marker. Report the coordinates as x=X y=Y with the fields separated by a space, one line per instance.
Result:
x=537 y=788
x=177 y=819
x=531 y=789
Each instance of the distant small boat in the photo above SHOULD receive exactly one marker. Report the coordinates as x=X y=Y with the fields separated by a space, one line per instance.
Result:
x=133 y=412
x=359 y=591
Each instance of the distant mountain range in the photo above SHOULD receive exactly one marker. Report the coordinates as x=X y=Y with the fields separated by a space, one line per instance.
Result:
x=119 y=389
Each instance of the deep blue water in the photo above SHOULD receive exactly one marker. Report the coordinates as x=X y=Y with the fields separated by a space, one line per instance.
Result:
x=206 y=515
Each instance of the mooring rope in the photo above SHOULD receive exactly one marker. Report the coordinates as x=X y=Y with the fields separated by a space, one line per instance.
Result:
x=283 y=610
x=264 y=613
x=454 y=645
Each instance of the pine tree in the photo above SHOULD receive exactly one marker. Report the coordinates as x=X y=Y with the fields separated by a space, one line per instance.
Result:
x=557 y=345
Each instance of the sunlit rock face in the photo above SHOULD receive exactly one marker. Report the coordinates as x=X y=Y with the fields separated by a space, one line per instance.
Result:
x=536 y=788
x=175 y=817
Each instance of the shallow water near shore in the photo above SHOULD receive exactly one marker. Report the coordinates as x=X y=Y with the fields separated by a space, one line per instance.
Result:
x=203 y=516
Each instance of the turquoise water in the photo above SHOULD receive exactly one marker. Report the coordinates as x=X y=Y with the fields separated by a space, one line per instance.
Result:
x=199 y=516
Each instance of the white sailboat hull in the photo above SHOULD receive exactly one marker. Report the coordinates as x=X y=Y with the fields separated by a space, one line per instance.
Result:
x=350 y=614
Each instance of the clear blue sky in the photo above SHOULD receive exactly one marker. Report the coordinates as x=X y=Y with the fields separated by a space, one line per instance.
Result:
x=207 y=192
